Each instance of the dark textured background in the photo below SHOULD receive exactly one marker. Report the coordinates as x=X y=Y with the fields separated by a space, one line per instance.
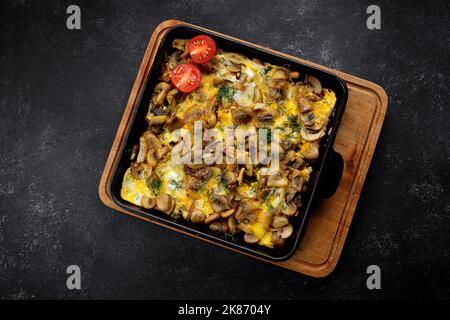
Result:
x=62 y=96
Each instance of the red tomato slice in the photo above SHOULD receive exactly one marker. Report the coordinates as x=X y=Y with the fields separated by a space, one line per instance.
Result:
x=186 y=77
x=202 y=48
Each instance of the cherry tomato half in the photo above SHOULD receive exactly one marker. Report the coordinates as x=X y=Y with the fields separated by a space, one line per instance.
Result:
x=202 y=48
x=186 y=77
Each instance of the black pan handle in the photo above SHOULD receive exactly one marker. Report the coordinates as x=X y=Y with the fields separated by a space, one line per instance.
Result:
x=331 y=175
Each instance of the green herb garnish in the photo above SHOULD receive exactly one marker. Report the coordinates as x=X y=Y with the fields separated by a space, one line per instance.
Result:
x=225 y=92
x=266 y=70
x=293 y=123
x=154 y=184
x=176 y=183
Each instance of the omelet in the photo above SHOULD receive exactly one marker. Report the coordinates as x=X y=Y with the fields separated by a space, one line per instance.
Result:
x=232 y=198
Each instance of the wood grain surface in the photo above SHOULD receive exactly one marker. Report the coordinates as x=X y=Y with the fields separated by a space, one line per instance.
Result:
x=324 y=237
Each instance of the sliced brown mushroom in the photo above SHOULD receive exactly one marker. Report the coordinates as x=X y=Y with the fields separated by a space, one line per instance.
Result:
x=280 y=74
x=242 y=115
x=284 y=232
x=290 y=194
x=250 y=238
x=193 y=114
x=297 y=182
x=152 y=140
x=280 y=84
x=279 y=221
x=277 y=180
x=148 y=202
x=265 y=118
x=311 y=135
x=171 y=97
x=161 y=89
x=161 y=152
x=304 y=104
x=231 y=224
x=219 y=226
x=173 y=60
x=197 y=216
x=314 y=84
x=246 y=217
x=233 y=68
x=212 y=217
x=290 y=209
x=164 y=202
x=143 y=149
x=257 y=96
x=227 y=213
x=229 y=180
x=150 y=158
x=218 y=202
x=307 y=118
x=277 y=240
x=201 y=172
x=156 y=122
x=175 y=123
x=311 y=153
x=296 y=163
x=141 y=171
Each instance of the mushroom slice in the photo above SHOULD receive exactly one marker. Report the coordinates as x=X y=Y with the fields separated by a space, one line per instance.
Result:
x=242 y=115
x=279 y=221
x=233 y=68
x=143 y=149
x=193 y=114
x=150 y=158
x=277 y=180
x=231 y=225
x=290 y=194
x=257 y=96
x=314 y=84
x=311 y=153
x=297 y=182
x=165 y=202
x=211 y=218
x=219 y=203
x=148 y=202
x=311 y=135
x=141 y=171
x=284 y=232
x=161 y=89
x=227 y=213
x=290 y=209
x=229 y=179
x=304 y=104
x=307 y=118
x=156 y=122
x=175 y=123
x=197 y=216
x=219 y=226
x=265 y=118
x=152 y=140
x=171 y=97
x=250 y=238
x=173 y=60
x=280 y=74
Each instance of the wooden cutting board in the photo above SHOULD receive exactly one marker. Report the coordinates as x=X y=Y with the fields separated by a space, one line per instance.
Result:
x=324 y=237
